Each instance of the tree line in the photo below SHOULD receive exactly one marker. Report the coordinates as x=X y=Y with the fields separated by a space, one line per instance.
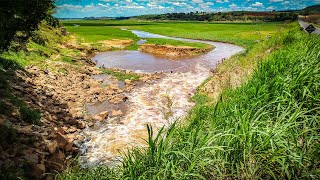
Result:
x=221 y=16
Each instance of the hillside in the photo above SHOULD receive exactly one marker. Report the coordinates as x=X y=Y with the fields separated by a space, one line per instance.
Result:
x=312 y=10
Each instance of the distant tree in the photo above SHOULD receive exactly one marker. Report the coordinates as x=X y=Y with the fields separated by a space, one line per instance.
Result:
x=21 y=16
x=305 y=13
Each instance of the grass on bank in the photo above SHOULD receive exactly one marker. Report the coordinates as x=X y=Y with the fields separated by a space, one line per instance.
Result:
x=94 y=34
x=243 y=34
x=42 y=46
x=121 y=76
x=268 y=128
x=159 y=41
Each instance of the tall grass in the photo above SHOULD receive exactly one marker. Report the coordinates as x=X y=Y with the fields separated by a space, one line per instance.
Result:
x=266 y=129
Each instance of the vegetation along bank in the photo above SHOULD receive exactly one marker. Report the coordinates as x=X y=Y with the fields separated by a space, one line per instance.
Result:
x=263 y=125
x=256 y=117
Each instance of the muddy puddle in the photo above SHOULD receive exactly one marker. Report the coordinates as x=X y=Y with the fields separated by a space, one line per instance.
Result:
x=158 y=103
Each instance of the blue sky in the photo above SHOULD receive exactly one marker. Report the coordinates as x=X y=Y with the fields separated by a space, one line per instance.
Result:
x=115 y=8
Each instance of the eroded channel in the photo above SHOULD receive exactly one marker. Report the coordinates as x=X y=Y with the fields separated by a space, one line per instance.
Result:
x=158 y=103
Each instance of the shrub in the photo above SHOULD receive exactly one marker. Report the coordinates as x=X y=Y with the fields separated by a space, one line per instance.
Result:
x=30 y=115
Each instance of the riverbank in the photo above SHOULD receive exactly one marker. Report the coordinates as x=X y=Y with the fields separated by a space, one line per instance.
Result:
x=45 y=89
x=245 y=130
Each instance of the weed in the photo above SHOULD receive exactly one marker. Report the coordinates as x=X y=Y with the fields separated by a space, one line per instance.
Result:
x=121 y=76
x=8 y=135
x=30 y=115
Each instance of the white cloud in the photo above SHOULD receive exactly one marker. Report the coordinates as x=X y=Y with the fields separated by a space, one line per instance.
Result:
x=222 y=1
x=270 y=8
x=257 y=4
x=233 y=5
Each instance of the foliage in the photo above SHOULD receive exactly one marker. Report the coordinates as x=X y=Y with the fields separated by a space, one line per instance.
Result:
x=224 y=16
x=21 y=16
x=43 y=44
x=121 y=76
x=315 y=9
x=30 y=115
x=266 y=129
x=8 y=135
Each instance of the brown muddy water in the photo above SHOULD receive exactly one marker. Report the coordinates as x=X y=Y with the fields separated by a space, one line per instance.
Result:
x=158 y=103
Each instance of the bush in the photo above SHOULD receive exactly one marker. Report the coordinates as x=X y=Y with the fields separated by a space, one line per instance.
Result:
x=8 y=135
x=30 y=115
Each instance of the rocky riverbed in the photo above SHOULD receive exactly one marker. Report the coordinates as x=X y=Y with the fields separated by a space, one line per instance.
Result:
x=84 y=111
x=61 y=93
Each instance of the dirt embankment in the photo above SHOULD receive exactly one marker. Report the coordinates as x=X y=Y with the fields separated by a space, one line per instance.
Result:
x=117 y=43
x=174 y=51
x=59 y=91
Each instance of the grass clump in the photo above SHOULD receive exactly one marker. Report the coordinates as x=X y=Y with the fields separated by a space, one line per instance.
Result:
x=30 y=115
x=8 y=135
x=159 y=41
x=44 y=45
x=121 y=76
x=268 y=128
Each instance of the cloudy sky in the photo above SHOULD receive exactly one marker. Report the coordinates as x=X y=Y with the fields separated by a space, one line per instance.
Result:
x=116 y=8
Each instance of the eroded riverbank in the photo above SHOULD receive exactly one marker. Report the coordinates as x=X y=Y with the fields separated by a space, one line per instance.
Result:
x=158 y=102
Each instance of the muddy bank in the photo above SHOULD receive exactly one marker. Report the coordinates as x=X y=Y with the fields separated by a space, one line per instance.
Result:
x=174 y=51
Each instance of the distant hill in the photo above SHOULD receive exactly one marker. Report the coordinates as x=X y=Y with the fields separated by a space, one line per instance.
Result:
x=312 y=9
x=224 y=16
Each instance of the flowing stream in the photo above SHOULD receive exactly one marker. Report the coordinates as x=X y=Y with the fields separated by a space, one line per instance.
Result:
x=158 y=103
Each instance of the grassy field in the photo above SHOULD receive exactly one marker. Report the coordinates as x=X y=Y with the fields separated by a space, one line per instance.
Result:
x=93 y=34
x=244 y=34
x=171 y=42
x=267 y=128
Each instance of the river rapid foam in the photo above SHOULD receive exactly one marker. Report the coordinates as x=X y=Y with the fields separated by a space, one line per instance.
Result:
x=157 y=103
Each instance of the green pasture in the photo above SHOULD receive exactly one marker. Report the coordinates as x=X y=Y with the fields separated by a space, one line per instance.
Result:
x=244 y=34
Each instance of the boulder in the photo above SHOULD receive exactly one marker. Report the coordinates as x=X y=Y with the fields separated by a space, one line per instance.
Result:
x=72 y=129
x=59 y=130
x=128 y=82
x=61 y=140
x=116 y=113
x=69 y=147
x=52 y=146
x=41 y=168
x=81 y=125
x=101 y=116
x=104 y=114
x=2 y=120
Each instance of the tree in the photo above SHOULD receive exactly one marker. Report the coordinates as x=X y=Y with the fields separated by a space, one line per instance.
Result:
x=21 y=16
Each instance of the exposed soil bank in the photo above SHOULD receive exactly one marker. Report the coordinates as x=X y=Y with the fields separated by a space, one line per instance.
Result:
x=117 y=43
x=174 y=51
x=38 y=137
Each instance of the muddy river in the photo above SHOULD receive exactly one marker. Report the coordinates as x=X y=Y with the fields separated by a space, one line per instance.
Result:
x=150 y=103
